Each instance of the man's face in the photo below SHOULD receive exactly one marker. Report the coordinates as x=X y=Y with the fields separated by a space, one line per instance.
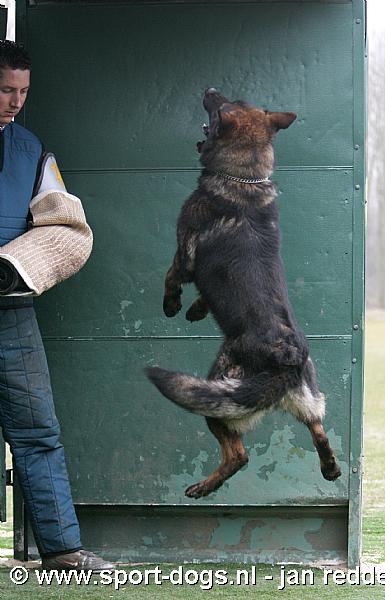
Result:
x=14 y=85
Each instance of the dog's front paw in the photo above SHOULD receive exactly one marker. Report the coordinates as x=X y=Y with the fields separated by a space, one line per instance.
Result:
x=171 y=305
x=197 y=311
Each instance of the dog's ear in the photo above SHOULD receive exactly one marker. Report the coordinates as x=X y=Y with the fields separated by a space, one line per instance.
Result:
x=281 y=120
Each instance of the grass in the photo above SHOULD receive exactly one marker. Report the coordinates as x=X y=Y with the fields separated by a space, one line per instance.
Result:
x=373 y=527
x=374 y=442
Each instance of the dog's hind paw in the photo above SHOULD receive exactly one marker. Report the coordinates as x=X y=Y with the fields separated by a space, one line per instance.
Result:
x=331 y=472
x=200 y=489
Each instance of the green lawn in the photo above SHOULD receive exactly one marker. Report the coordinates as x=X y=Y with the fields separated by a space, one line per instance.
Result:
x=374 y=441
x=373 y=527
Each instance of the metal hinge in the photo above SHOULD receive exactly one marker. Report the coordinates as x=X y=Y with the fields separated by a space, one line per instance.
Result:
x=9 y=477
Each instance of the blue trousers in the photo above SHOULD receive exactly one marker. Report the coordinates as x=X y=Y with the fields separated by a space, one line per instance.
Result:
x=30 y=426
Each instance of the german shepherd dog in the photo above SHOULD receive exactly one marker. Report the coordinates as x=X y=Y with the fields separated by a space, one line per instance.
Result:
x=229 y=246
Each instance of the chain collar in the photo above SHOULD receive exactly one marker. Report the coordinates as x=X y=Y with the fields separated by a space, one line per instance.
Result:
x=240 y=179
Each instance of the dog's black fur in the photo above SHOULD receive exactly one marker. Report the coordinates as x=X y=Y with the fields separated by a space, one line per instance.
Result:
x=229 y=246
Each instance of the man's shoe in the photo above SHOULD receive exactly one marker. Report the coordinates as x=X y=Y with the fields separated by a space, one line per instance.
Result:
x=81 y=560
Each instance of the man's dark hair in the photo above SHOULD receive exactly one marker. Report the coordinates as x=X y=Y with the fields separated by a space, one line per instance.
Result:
x=13 y=56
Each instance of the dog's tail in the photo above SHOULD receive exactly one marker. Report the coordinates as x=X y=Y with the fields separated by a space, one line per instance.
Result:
x=225 y=398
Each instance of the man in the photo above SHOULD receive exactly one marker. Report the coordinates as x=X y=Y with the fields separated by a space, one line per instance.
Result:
x=27 y=415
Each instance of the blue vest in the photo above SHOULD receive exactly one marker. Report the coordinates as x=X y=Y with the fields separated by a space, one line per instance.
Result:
x=20 y=152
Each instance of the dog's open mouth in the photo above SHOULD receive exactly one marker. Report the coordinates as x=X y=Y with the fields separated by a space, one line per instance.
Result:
x=212 y=101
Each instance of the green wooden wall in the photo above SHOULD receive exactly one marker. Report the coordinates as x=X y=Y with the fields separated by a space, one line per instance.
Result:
x=116 y=94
